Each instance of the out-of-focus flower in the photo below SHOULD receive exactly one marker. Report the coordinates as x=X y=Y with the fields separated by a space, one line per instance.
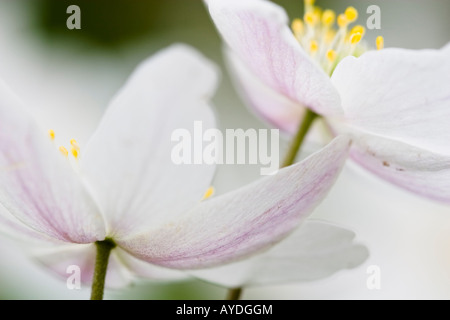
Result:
x=395 y=103
x=314 y=251
x=124 y=187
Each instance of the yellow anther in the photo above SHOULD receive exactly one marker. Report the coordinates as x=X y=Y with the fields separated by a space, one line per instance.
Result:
x=310 y=18
x=355 y=38
x=380 y=42
x=318 y=12
x=328 y=17
x=208 y=193
x=74 y=144
x=309 y=2
x=351 y=14
x=297 y=26
x=313 y=46
x=51 y=134
x=358 y=29
x=63 y=151
x=74 y=152
x=331 y=55
x=342 y=21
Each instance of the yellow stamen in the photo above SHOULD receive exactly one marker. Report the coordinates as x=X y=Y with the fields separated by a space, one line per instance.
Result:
x=313 y=46
x=74 y=152
x=63 y=151
x=318 y=13
x=297 y=26
x=351 y=14
x=208 y=193
x=74 y=144
x=380 y=42
x=310 y=19
x=51 y=134
x=328 y=17
x=358 y=29
x=355 y=38
x=331 y=55
x=342 y=21
x=329 y=36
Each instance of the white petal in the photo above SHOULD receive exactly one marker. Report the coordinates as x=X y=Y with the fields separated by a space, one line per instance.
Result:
x=245 y=221
x=257 y=31
x=398 y=94
x=417 y=170
x=314 y=251
x=69 y=261
x=147 y=270
x=128 y=164
x=271 y=106
x=13 y=228
x=446 y=48
x=37 y=184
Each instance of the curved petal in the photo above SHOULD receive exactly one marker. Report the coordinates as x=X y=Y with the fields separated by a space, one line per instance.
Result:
x=398 y=94
x=417 y=170
x=71 y=260
x=13 y=228
x=271 y=106
x=37 y=184
x=243 y=222
x=257 y=31
x=314 y=251
x=127 y=163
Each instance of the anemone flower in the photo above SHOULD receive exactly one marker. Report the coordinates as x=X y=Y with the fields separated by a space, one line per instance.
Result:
x=124 y=192
x=395 y=103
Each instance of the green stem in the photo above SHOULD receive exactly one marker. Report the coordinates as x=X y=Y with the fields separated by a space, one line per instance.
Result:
x=297 y=141
x=234 y=294
x=101 y=266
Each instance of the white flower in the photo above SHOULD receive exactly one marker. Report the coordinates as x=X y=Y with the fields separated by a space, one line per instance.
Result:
x=126 y=189
x=394 y=102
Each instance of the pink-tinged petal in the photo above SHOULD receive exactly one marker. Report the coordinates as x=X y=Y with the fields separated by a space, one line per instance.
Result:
x=403 y=95
x=270 y=105
x=37 y=184
x=128 y=163
x=13 y=228
x=71 y=260
x=417 y=170
x=314 y=251
x=243 y=222
x=257 y=31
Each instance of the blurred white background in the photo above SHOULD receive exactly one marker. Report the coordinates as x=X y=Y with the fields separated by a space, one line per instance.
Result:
x=67 y=83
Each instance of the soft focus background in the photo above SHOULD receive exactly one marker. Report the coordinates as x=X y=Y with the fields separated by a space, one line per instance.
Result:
x=67 y=77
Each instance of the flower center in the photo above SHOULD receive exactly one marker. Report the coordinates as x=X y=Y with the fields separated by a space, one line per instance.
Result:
x=74 y=146
x=326 y=43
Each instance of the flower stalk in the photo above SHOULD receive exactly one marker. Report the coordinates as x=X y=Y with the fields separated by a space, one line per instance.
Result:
x=234 y=294
x=101 y=266
x=297 y=141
